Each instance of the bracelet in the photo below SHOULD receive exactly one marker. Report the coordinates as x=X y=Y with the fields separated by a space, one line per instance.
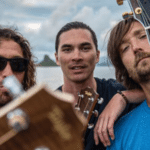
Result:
x=124 y=97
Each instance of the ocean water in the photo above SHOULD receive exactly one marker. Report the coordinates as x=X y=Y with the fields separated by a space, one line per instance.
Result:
x=53 y=76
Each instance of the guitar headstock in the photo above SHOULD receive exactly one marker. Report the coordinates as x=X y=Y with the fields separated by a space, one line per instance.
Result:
x=41 y=119
x=141 y=12
x=86 y=102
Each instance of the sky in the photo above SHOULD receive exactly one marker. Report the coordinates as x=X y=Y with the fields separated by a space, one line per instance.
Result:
x=40 y=20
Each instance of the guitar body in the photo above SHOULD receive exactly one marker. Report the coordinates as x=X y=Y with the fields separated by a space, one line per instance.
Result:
x=52 y=122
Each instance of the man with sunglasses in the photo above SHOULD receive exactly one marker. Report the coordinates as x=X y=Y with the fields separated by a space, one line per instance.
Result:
x=15 y=59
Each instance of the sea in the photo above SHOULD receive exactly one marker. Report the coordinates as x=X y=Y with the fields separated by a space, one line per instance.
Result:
x=53 y=76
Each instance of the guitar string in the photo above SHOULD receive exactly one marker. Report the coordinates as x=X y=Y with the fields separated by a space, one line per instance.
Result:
x=146 y=19
x=85 y=108
x=144 y=14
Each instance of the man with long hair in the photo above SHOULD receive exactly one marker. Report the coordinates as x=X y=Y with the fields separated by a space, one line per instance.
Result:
x=77 y=53
x=129 y=52
x=15 y=59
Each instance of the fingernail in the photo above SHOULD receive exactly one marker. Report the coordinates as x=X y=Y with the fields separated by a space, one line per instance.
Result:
x=113 y=138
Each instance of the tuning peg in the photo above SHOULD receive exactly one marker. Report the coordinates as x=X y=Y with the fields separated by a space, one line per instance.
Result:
x=138 y=10
x=119 y=2
x=18 y=120
x=90 y=126
x=125 y=15
x=80 y=95
x=86 y=112
x=77 y=108
x=91 y=99
x=131 y=13
x=42 y=148
x=95 y=112
x=100 y=101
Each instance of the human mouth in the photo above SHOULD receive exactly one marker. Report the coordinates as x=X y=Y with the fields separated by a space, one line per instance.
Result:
x=2 y=88
x=77 y=67
x=140 y=56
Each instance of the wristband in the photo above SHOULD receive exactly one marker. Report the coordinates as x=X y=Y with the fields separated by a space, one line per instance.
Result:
x=124 y=97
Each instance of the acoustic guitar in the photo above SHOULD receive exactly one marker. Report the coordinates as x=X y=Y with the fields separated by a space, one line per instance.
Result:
x=41 y=119
x=141 y=12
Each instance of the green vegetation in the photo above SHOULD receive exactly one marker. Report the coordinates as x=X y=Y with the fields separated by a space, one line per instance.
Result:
x=47 y=62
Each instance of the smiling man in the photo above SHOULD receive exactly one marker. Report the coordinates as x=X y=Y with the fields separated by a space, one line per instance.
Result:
x=15 y=59
x=77 y=54
x=131 y=58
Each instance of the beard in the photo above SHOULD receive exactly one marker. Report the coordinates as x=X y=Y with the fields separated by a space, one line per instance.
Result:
x=5 y=98
x=144 y=72
x=142 y=69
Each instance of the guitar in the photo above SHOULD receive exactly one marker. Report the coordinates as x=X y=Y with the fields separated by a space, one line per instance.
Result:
x=141 y=12
x=41 y=119
x=88 y=98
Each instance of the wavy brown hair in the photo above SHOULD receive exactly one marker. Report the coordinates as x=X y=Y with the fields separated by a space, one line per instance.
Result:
x=116 y=36
x=12 y=34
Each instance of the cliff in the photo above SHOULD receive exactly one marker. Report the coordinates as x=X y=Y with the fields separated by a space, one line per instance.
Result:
x=47 y=62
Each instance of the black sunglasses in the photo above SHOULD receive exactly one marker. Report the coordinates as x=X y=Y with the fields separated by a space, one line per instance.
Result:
x=17 y=64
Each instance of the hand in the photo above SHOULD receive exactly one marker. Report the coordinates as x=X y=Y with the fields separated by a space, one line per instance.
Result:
x=104 y=126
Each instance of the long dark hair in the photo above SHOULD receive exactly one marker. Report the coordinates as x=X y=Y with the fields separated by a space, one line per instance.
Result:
x=12 y=34
x=114 y=42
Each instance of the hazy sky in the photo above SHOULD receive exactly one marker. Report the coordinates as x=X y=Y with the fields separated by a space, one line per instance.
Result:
x=40 y=20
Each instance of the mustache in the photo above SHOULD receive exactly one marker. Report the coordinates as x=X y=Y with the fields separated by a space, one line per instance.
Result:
x=139 y=56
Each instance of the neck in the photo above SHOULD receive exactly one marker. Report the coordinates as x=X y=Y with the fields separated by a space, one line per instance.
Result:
x=146 y=89
x=75 y=87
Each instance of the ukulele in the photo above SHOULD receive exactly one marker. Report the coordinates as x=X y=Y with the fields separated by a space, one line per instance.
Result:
x=88 y=98
x=141 y=12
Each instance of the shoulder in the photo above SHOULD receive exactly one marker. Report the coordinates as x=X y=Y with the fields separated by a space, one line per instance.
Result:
x=128 y=126
x=130 y=117
x=109 y=84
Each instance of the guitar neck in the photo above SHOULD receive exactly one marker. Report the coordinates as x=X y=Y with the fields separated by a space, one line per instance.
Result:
x=144 y=16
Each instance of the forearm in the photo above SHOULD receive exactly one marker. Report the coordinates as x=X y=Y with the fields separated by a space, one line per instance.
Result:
x=134 y=96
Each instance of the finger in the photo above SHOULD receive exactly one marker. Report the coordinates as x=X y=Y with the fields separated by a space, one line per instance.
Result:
x=104 y=130
x=111 y=128
x=97 y=127
x=101 y=131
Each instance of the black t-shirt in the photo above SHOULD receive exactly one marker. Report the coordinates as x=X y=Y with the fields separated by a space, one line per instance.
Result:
x=106 y=90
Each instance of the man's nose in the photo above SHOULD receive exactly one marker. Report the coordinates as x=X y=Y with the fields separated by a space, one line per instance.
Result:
x=136 y=46
x=7 y=70
x=77 y=55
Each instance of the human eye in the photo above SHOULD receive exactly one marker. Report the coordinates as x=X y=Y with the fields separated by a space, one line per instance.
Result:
x=143 y=36
x=124 y=48
x=86 y=48
x=67 y=49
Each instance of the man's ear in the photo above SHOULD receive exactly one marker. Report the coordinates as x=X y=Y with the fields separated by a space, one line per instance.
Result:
x=97 y=56
x=56 y=58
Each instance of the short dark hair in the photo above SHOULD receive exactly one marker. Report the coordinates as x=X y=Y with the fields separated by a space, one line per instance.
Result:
x=75 y=25
x=116 y=36
x=12 y=34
